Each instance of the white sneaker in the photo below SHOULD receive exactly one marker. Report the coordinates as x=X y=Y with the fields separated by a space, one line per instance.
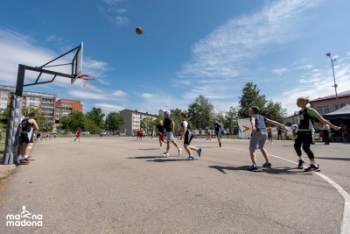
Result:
x=165 y=154
x=179 y=149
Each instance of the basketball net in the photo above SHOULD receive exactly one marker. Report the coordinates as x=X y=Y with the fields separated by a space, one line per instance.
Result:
x=87 y=80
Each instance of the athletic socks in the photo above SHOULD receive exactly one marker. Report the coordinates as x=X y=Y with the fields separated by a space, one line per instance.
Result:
x=25 y=156
x=301 y=158
x=313 y=163
x=19 y=157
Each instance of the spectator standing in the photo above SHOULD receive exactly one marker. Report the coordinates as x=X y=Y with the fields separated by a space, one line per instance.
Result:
x=326 y=129
x=279 y=131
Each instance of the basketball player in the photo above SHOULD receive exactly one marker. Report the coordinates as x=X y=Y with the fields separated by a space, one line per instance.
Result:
x=28 y=126
x=78 y=134
x=187 y=133
x=169 y=126
x=160 y=129
x=217 y=127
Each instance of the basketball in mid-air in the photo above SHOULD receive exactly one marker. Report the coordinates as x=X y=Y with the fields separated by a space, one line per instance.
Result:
x=138 y=30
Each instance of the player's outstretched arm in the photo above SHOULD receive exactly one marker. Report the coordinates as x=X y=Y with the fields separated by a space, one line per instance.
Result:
x=276 y=123
x=323 y=120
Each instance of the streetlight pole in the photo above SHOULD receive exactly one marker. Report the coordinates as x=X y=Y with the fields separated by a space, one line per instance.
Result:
x=335 y=85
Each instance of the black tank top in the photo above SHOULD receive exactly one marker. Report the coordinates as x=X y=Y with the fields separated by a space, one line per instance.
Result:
x=26 y=126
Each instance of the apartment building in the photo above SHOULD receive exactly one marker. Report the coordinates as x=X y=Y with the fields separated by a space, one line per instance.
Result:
x=133 y=120
x=42 y=101
x=65 y=106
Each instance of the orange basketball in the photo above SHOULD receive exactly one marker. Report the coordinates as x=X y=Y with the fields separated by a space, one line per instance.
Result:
x=138 y=30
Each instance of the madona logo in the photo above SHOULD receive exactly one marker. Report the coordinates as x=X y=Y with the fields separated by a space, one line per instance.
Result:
x=24 y=219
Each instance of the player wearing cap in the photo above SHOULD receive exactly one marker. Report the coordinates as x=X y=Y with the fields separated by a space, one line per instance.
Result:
x=259 y=136
x=187 y=133
x=169 y=126
x=217 y=127
x=160 y=129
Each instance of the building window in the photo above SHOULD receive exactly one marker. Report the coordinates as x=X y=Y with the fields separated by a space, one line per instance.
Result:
x=4 y=93
x=341 y=106
x=32 y=99
x=323 y=109
x=3 y=104
x=4 y=99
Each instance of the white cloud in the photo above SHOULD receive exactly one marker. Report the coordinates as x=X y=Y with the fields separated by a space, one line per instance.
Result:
x=224 y=52
x=304 y=67
x=50 y=38
x=303 y=60
x=315 y=70
x=335 y=56
x=118 y=10
x=108 y=107
x=147 y=95
x=112 y=2
x=348 y=53
x=120 y=20
x=280 y=71
x=103 y=82
x=119 y=93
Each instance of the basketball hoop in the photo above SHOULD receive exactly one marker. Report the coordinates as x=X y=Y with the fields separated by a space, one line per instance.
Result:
x=87 y=80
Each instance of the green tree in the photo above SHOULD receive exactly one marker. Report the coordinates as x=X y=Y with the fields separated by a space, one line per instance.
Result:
x=194 y=113
x=251 y=97
x=205 y=109
x=114 y=121
x=161 y=112
x=96 y=116
x=230 y=117
x=146 y=122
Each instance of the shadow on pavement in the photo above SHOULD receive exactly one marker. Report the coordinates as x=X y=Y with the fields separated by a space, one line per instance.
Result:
x=168 y=160
x=275 y=170
x=345 y=159
x=150 y=149
x=145 y=157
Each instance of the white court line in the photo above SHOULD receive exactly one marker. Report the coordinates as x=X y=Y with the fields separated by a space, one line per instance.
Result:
x=345 y=225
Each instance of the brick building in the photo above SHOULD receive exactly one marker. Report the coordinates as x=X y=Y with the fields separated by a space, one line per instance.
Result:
x=65 y=106
x=328 y=104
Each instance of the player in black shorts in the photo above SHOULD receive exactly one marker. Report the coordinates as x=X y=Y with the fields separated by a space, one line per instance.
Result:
x=188 y=134
x=28 y=126
x=304 y=134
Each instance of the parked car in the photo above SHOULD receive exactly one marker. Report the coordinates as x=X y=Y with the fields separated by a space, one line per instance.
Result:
x=85 y=133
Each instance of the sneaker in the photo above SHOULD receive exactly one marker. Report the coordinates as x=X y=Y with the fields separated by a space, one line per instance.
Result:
x=268 y=143
x=165 y=154
x=190 y=158
x=301 y=164
x=179 y=151
x=271 y=143
x=267 y=165
x=252 y=168
x=220 y=144
x=75 y=139
x=24 y=162
x=313 y=168
x=199 y=151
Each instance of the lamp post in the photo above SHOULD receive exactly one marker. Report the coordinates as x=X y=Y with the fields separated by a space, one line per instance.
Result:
x=335 y=85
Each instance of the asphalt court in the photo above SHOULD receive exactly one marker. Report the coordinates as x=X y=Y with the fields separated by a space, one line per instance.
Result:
x=120 y=185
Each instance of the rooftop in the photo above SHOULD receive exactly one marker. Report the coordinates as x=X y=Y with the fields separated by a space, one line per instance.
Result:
x=340 y=95
x=13 y=89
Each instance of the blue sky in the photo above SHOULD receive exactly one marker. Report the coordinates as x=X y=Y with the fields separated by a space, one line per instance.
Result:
x=187 y=48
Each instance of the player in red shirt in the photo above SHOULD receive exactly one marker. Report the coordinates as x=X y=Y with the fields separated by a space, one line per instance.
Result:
x=141 y=134
x=138 y=134
x=78 y=134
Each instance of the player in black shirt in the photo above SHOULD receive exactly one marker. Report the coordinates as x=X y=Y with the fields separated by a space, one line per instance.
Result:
x=169 y=126
x=217 y=128
x=160 y=129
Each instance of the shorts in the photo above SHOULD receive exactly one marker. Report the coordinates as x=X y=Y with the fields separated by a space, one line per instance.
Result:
x=161 y=137
x=269 y=135
x=258 y=138
x=218 y=133
x=27 y=137
x=169 y=136
x=188 y=139
x=20 y=140
x=279 y=133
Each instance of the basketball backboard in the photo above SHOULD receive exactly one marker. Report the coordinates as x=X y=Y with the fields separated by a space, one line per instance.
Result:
x=77 y=63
